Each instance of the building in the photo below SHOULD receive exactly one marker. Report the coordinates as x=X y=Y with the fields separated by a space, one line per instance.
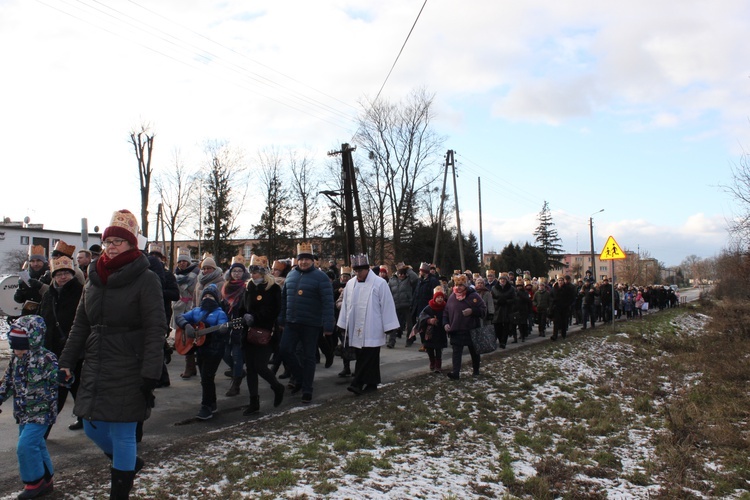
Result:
x=15 y=238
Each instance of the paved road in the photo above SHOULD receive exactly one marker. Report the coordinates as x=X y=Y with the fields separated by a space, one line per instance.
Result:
x=177 y=405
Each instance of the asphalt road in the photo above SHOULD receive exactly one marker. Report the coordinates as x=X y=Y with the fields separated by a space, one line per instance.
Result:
x=176 y=406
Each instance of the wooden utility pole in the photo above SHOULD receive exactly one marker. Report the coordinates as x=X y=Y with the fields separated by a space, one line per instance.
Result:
x=351 y=201
x=458 y=216
x=440 y=214
x=481 y=239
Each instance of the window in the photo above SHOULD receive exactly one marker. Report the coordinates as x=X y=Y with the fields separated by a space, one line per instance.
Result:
x=24 y=240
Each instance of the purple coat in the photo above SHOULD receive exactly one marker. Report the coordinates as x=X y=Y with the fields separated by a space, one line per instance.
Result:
x=453 y=312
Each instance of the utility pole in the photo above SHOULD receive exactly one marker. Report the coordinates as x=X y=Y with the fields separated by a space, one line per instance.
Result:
x=440 y=214
x=481 y=244
x=591 y=233
x=458 y=217
x=351 y=200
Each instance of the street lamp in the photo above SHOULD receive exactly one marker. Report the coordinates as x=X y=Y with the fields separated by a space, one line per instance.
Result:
x=591 y=233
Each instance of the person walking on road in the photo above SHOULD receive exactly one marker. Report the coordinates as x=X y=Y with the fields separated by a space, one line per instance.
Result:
x=367 y=313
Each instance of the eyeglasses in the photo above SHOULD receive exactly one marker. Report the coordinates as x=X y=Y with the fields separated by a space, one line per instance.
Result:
x=114 y=242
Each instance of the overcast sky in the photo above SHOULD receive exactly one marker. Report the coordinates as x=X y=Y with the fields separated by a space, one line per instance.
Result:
x=640 y=108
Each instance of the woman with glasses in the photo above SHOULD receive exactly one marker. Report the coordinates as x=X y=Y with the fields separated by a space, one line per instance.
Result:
x=119 y=330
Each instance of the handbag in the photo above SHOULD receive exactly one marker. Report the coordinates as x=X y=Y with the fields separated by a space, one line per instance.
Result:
x=484 y=339
x=345 y=352
x=258 y=336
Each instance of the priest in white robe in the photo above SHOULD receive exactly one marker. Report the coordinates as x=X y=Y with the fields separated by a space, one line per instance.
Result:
x=367 y=314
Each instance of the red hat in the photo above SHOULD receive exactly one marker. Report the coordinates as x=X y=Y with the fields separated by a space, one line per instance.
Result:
x=438 y=291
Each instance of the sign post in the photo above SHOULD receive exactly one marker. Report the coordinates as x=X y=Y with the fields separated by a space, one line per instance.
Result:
x=612 y=251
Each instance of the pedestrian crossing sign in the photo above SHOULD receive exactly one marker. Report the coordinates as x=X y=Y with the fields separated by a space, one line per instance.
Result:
x=612 y=250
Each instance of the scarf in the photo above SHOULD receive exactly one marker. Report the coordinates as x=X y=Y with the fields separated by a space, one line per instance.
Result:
x=207 y=279
x=232 y=292
x=459 y=295
x=106 y=266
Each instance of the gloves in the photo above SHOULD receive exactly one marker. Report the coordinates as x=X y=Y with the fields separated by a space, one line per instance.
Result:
x=467 y=311
x=35 y=284
x=248 y=319
x=147 y=389
x=22 y=285
x=189 y=331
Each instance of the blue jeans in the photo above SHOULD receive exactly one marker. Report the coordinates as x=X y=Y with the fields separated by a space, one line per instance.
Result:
x=116 y=439
x=234 y=358
x=302 y=370
x=33 y=457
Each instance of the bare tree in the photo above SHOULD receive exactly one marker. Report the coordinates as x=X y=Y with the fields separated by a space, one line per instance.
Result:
x=739 y=227
x=176 y=187
x=402 y=149
x=692 y=267
x=304 y=189
x=13 y=260
x=143 y=144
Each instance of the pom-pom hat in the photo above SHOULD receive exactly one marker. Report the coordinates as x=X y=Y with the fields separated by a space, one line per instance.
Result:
x=124 y=226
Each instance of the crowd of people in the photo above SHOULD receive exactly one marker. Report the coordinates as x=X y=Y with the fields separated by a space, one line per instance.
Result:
x=99 y=329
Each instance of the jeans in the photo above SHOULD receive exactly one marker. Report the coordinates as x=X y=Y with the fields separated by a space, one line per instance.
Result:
x=307 y=336
x=33 y=458
x=234 y=358
x=116 y=439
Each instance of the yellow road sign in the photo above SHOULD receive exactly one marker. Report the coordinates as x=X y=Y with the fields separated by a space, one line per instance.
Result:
x=612 y=250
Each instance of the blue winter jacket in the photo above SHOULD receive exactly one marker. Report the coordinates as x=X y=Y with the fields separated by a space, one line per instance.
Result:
x=307 y=299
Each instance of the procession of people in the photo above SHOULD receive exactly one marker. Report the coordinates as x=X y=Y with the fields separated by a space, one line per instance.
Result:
x=102 y=322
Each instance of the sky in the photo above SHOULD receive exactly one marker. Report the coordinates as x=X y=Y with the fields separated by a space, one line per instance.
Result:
x=640 y=109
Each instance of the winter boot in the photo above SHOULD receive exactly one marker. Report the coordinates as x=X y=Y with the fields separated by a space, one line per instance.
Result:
x=139 y=463
x=190 y=370
x=432 y=365
x=234 y=389
x=122 y=483
x=278 y=394
x=438 y=365
x=254 y=405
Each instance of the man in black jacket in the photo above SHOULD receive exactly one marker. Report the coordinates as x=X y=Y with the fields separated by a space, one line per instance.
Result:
x=563 y=297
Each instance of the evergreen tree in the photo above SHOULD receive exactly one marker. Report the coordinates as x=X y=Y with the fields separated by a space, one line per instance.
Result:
x=547 y=239
x=219 y=218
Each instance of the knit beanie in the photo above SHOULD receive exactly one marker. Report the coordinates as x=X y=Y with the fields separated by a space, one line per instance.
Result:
x=123 y=225
x=208 y=262
x=238 y=265
x=213 y=291
x=18 y=337
x=37 y=252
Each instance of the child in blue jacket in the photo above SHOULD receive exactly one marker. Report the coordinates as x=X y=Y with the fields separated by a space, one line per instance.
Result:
x=31 y=380
x=211 y=352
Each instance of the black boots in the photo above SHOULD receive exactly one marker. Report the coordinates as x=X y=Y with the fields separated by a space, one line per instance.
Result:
x=122 y=483
x=254 y=405
x=278 y=394
x=234 y=389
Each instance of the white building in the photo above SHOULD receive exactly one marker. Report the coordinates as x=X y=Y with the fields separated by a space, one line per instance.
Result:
x=15 y=238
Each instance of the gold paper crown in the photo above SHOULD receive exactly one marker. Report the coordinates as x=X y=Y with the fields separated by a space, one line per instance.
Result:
x=304 y=248
x=61 y=262
x=206 y=255
x=125 y=220
x=346 y=270
x=64 y=248
x=259 y=260
x=239 y=259
x=476 y=275
x=402 y=265
x=490 y=272
x=460 y=279
x=183 y=254
x=38 y=252
x=155 y=248
x=456 y=272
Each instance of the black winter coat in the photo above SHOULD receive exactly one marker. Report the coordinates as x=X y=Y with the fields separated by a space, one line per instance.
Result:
x=58 y=308
x=504 y=298
x=120 y=328
x=264 y=303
